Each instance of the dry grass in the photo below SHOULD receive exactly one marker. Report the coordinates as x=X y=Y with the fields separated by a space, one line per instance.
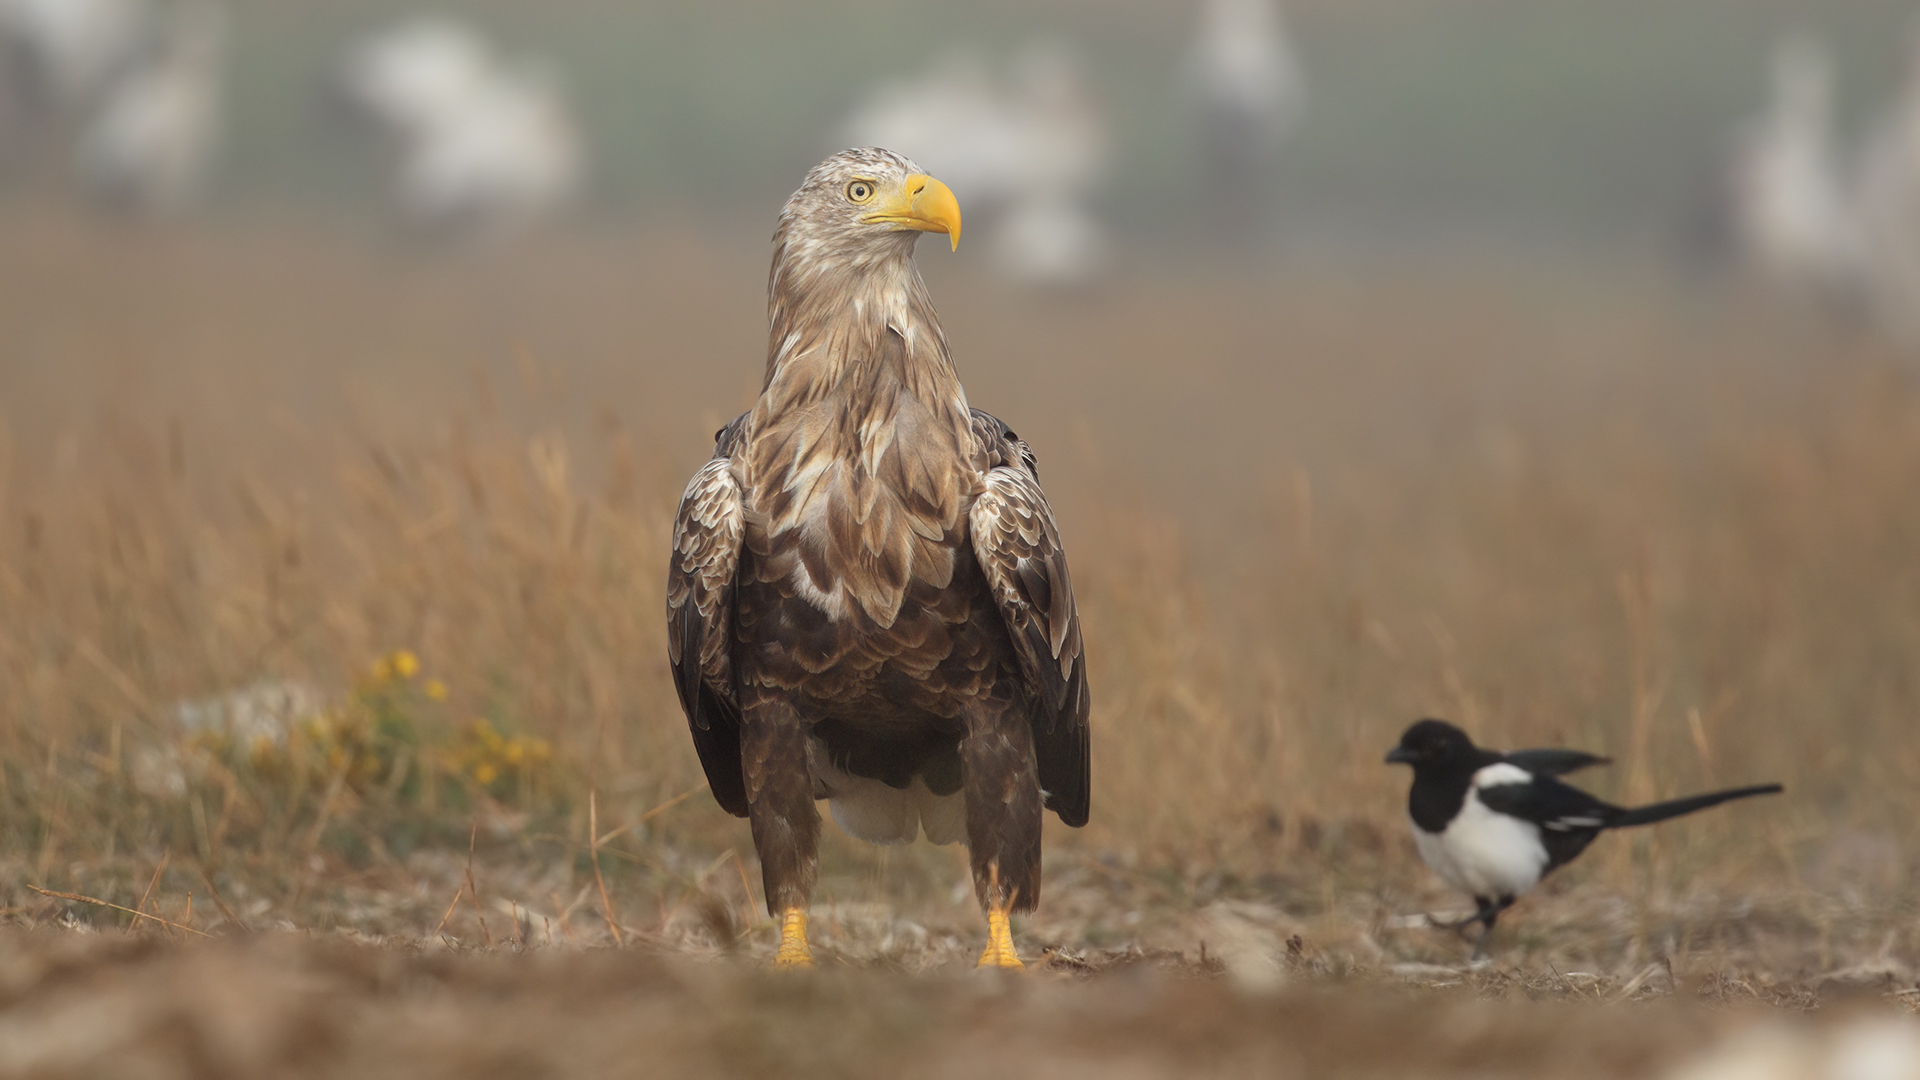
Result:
x=1304 y=508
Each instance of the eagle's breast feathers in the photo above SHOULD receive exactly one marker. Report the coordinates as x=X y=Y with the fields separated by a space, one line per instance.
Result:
x=852 y=500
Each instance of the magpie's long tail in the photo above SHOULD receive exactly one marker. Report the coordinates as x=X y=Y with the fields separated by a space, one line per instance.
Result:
x=1661 y=811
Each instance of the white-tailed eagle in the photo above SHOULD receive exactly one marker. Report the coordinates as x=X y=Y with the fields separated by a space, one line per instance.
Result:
x=868 y=601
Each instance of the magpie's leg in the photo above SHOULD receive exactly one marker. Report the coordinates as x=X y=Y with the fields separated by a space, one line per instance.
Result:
x=1480 y=943
x=1486 y=914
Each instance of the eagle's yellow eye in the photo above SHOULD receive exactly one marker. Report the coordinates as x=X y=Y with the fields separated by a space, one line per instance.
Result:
x=860 y=191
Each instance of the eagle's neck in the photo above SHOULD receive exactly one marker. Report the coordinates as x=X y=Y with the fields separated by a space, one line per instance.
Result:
x=830 y=312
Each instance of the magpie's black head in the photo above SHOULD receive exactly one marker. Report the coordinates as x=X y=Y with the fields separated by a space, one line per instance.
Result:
x=1433 y=742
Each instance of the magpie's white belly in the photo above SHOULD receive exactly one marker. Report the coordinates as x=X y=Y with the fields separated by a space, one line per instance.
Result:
x=1484 y=853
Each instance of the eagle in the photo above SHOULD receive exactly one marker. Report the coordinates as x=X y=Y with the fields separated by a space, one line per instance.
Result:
x=867 y=598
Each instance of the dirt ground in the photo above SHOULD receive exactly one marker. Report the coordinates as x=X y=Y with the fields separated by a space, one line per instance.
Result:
x=281 y=1004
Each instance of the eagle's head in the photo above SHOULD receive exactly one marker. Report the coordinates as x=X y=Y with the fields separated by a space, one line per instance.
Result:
x=866 y=204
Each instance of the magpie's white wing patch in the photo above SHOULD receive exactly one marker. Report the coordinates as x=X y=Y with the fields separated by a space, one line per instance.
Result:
x=1500 y=774
x=1568 y=824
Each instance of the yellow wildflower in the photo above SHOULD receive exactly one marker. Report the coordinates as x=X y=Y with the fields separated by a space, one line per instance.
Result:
x=436 y=689
x=489 y=739
x=486 y=772
x=405 y=664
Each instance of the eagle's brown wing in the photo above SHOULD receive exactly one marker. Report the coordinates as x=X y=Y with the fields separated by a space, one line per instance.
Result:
x=1018 y=548
x=1004 y=446
x=706 y=551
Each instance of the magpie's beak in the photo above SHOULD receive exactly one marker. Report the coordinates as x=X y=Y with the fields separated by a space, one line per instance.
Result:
x=1399 y=755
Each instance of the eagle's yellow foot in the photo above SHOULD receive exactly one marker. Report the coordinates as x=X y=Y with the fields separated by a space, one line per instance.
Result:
x=999 y=951
x=793 y=951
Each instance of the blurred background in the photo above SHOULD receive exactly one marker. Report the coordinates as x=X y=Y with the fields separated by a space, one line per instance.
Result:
x=1375 y=125
x=1547 y=365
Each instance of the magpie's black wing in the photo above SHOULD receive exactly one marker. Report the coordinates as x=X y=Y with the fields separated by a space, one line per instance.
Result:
x=1555 y=761
x=1549 y=804
x=1568 y=818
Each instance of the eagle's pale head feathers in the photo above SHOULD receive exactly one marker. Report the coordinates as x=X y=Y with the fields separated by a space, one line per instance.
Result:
x=843 y=270
x=867 y=202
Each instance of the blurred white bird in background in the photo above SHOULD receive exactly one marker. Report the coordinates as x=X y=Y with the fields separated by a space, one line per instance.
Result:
x=953 y=120
x=1050 y=236
x=506 y=156
x=409 y=76
x=64 y=51
x=56 y=58
x=149 y=146
x=1244 y=80
x=1887 y=208
x=1028 y=152
x=1849 y=237
x=485 y=147
x=1791 y=212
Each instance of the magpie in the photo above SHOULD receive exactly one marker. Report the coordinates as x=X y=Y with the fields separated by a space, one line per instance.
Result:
x=1493 y=824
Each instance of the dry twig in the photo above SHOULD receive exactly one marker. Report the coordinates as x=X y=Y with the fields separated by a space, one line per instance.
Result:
x=473 y=891
x=103 y=903
x=653 y=813
x=221 y=903
x=151 y=883
x=593 y=837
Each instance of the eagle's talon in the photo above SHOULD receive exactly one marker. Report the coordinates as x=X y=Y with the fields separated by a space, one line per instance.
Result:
x=1000 y=952
x=793 y=951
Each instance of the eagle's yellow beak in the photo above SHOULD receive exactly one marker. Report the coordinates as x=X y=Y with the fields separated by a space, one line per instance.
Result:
x=921 y=203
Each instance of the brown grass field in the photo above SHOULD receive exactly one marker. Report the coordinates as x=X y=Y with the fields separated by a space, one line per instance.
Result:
x=1559 y=503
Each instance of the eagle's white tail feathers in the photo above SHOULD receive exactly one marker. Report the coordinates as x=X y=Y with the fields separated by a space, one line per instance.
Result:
x=869 y=810
x=878 y=813
x=943 y=817
x=872 y=811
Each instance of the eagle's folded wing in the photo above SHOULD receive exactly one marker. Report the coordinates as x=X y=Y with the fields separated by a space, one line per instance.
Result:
x=706 y=550
x=1019 y=550
x=1003 y=446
